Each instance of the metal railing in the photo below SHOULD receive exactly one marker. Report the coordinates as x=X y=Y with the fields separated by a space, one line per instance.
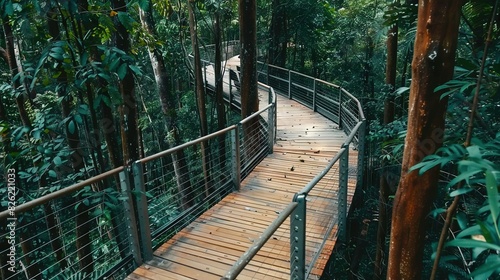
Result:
x=338 y=105
x=132 y=209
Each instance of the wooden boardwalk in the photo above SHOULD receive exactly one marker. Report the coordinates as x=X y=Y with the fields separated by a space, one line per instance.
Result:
x=210 y=245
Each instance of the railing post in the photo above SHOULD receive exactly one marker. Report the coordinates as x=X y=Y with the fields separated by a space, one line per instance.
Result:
x=342 y=197
x=340 y=108
x=131 y=221
x=361 y=154
x=271 y=123
x=142 y=211
x=235 y=159
x=230 y=91
x=314 y=95
x=290 y=84
x=298 y=239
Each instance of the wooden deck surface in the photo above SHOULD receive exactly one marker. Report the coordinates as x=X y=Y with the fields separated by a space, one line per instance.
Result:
x=210 y=245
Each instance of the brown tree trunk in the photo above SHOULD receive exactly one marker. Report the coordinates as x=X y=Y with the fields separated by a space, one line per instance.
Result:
x=83 y=220
x=248 y=57
x=200 y=97
x=168 y=101
x=219 y=94
x=278 y=32
x=128 y=110
x=14 y=70
x=390 y=79
x=433 y=63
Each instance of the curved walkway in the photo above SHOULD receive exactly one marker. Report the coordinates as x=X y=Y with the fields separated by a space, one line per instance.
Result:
x=210 y=245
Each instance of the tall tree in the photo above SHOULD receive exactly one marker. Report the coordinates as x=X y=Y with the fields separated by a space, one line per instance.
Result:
x=248 y=58
x=390 y=80
x=219 y=94
x=200 y=96
x=128 y=108
x=168 y=101
x=278 y=32
x=433 y=65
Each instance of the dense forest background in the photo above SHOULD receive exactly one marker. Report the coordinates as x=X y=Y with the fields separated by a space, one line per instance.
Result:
x=87 y=86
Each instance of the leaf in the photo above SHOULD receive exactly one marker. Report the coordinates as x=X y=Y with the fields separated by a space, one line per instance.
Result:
x=492 y=264
x=470 y=243
x=52 y=174
x=144 y=4
x=462 y=220
x=122 y=71
x=461 y=191
x=492 y=189
x=71 y=126
x=126 y=20
x=136 y=70
x=57 y=161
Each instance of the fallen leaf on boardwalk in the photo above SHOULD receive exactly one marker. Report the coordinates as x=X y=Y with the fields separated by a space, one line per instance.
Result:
x=302 y=160
x=293 y=168
x=269 y=179
x=317 y=152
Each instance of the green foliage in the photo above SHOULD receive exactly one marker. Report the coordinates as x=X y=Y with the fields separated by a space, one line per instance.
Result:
x=478 y=171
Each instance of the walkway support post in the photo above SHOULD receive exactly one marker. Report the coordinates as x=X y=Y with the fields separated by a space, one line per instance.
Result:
x=142 y=211
x=290 y=84
x=314 y=95
x=340 y=107
x=271 y=122
x=235 y=157
x=361 y=154
x=129 y=214
x=342 y=197
x=298 y=239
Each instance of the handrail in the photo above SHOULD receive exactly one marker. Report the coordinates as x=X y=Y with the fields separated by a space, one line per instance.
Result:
x=185 y=145
x=240 y=264
x=59 y=193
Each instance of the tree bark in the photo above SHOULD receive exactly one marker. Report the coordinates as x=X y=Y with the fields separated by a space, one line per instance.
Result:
x=200 y=97
x=219 y=94
x=128 y=109
x=83 y=224
x=278 y=32
x=390 y=80
x=248 y=57
x=168 y=101
x=433 y=63
x=14 y=70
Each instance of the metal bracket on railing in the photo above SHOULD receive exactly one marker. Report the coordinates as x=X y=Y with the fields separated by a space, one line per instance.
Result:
x=298 y=239
x=235 y=157
x=342 y=197
x=361 y=154
x=271 y=126
x=340 y=107
x=314 y=96
x=142 y=211
x=128 y=205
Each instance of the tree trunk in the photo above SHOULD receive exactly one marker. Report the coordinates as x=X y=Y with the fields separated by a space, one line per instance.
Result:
x=390 y=79
x=14 y=70
x=278 y=43
x=219 y=94
x=200 y=97
x=83 y=224
x=248 y=59
x=168 y=101
x=128 y=110
x=433 y=63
